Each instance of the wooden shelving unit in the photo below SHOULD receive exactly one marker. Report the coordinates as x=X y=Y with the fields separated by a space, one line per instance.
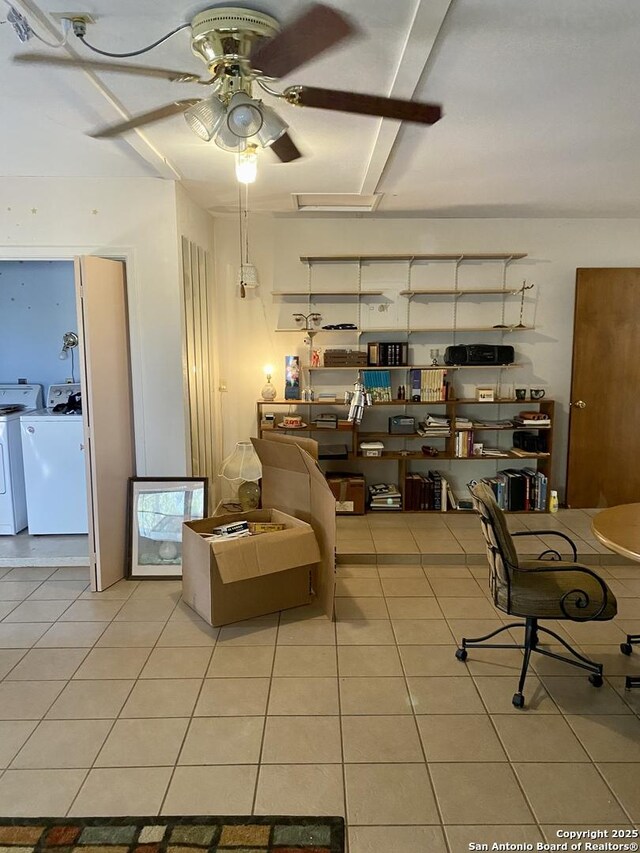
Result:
x=412 y=325
x=404 y=456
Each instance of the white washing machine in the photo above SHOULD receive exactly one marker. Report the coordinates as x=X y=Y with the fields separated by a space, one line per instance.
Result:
x=54 y=466
x=14 y=401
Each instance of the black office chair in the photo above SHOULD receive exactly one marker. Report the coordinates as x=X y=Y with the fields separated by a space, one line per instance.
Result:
x=535 y=590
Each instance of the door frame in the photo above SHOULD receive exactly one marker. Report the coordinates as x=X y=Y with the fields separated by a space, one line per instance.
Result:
x=116 y=253
x=126 y=256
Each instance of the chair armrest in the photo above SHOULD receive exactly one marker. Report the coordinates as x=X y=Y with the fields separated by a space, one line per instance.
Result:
x=550 y=533
x=581 y=597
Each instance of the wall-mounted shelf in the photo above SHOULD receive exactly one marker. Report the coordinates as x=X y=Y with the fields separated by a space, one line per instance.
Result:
x=490 y=291
x=454 y=256
x=315 y=331
x=312 y=294
x=419 y=367
x=397 y=330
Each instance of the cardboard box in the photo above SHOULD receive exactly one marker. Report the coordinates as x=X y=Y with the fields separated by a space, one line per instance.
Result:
x=226 y=581
x=349 y=492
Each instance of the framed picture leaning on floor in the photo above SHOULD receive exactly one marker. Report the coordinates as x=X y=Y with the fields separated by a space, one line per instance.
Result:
x=158 y=506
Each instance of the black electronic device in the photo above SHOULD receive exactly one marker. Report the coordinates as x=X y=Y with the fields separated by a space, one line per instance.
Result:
x=402 y=425
x=478 y=354
x=530 y=442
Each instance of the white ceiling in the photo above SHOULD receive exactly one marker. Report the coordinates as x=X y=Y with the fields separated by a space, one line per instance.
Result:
x=540 y=104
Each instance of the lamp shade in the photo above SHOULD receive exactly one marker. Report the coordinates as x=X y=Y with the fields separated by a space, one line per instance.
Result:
x=228 y=141
x=244 y=116
x=243 y=465
x=204 y=117
x=272 y=127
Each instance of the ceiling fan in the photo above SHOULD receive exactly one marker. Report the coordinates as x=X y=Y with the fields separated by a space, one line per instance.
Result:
x=241 y=48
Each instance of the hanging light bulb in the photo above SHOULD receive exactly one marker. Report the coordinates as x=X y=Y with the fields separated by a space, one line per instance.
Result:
x=247 y=165
x=244 y=116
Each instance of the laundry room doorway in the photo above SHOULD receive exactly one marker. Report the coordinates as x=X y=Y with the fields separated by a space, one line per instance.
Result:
x=67 y=447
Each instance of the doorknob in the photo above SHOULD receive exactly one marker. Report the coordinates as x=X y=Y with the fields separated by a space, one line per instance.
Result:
x=580 y=404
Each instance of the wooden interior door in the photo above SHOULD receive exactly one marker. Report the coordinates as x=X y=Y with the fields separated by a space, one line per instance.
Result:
x=604 y=459
x=107 y=412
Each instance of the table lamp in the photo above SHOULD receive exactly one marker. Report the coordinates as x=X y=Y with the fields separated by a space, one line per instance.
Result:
x=243 y=470
x=268 y=390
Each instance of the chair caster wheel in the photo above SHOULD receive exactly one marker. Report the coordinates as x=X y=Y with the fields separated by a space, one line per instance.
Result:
x=626 y=648
x=518 y=700
x=596 y=680
x=461 y=654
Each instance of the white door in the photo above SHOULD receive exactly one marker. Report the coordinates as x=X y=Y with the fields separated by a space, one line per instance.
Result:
x=107 y=411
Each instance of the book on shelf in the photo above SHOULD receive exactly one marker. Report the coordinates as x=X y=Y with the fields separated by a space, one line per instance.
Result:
x=487 y=424
x=378 y=384
x=428 y=491
x=428 y=386
x=464 y=444
x=494 y=452
x=434 y=427
x=387 y=354
x=533 y=419
x=522 y=490
x=518 y=451
x=384 y=496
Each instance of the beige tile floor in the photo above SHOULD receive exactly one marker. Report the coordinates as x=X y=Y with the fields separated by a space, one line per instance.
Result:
x=127 y=703
x=454 y=536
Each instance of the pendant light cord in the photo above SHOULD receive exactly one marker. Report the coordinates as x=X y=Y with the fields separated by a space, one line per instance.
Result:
x=241 y=240
x=243 y=234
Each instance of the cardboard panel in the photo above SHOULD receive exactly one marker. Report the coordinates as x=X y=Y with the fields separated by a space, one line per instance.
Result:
x=196 y=575
x=293 y=482
x=259 y=596
x=323 y=521
x=308 y=444
x=255 y=556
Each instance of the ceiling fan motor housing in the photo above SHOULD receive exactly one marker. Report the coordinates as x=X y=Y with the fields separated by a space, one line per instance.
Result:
x=228 y=34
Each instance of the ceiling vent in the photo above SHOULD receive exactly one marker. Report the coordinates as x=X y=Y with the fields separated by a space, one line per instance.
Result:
x=335 y=202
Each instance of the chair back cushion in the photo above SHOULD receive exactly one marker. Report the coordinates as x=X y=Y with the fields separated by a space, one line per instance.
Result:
x=500 y=549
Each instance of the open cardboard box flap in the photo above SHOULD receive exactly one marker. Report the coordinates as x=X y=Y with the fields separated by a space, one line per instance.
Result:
x=293 y=483
x=240 y=559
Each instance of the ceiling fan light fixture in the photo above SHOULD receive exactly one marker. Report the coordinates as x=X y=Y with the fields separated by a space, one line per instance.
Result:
x=247 y=165
x=244 y=115
x=205 y=117
x=228 y=141
x=273 y=127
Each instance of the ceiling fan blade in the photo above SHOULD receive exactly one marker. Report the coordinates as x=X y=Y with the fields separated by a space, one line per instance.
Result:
x=144 y=118
x=285 y=149
x=311 y=33
x=117 y=67
x=372 y=105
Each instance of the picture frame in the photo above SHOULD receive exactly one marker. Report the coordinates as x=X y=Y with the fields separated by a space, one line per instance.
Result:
x=157 y=508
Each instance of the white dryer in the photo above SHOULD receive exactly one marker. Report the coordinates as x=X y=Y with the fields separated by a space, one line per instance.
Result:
x=14 y=401
x=54 y=465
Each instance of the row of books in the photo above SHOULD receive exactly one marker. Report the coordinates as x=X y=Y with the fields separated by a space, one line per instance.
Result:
x=428 y=491
x=383 y=354
x=520 y=490
x=428 y=386
x=378 y=384
x=385 y=496
x=463 y=444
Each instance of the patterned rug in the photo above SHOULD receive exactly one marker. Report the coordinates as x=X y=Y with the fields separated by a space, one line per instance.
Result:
x=172 y=835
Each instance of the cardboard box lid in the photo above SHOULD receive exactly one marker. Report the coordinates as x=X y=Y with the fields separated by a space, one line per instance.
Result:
x=293 y=483
x=253 y=556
